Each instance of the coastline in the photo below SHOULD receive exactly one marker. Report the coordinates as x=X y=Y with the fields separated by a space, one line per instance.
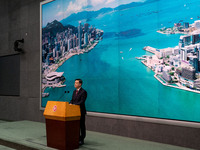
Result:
x=176 y=32
x=178 y=87
x=62 y=60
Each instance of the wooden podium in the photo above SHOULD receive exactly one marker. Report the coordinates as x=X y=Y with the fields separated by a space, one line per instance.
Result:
x=62 y=125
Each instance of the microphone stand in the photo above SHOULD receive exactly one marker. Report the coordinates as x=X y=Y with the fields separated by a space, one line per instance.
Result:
x=63 y=95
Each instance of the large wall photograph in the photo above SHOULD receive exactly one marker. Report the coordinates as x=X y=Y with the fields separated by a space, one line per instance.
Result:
x=135 y=57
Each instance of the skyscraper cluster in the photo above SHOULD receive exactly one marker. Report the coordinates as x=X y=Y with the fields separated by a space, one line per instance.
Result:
x=67 y=41
x=189 y=46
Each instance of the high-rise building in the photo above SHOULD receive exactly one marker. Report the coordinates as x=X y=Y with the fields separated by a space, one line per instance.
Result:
x=57 y=54
x=86 y=27
x=181 y=43
x=183 y=54
x=63 y=51
x=187 y=40
x=188 y=73
x=194 y=62
x=74 y=41
x=195 y=49
x=69 y=44
x=86 y=38
x=195 y=38
x=54 y=53
x=79 y=35
x=77 y=40
x=198 y=58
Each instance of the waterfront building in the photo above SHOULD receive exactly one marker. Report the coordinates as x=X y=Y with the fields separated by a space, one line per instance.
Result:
x=197 y=24
x=197 y=83
x=184 y=77
x=186 y=82
x=165 y=74
x=188 y=73
x=164 y=52
x=54 y=78
x=177 y=73
x=153 y=61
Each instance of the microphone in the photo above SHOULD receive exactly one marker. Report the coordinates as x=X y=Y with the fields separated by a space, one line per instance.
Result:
x=63 y=95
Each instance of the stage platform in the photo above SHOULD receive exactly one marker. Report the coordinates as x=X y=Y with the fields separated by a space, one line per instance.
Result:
x=29 y=135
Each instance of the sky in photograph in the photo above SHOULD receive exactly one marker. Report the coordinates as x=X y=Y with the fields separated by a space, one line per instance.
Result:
x=61 y=9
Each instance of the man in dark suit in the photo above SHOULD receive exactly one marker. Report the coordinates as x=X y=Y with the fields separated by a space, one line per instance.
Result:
x=78 y=98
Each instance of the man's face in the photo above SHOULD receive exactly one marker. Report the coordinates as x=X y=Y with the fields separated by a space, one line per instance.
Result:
x=77 y=84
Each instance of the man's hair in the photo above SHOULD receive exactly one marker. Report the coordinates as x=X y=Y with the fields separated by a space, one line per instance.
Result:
x=80 y=81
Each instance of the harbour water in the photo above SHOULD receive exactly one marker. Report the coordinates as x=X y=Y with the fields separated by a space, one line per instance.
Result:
x=115 y=80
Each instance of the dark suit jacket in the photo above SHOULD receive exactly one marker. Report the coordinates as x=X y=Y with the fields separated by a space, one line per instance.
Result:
x=79 y=99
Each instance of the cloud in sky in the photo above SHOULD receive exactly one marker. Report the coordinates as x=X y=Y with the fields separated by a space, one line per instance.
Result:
x=109 y=1
x=73 y=7
x=80 y=5
x=65 y=8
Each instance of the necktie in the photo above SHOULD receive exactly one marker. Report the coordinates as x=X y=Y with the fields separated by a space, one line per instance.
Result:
x=76 y=92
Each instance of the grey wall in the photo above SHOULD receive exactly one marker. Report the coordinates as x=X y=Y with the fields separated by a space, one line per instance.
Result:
x=157 y=130
x=21 y=19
